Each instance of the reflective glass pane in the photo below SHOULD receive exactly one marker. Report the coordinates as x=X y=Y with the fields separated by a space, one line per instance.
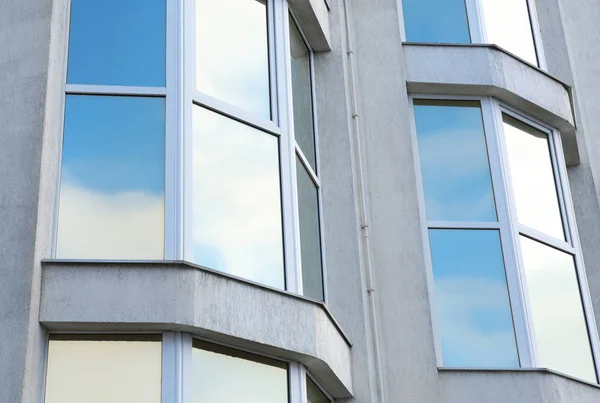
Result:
x=232 y=53
x=117 y=42
x=532 y=177
x=237 y=224
x=436 y=21
x=95 y=371
x=223 y=375
x=472 y=299
x=310 y=235
x=314 y=394
x=507 y=25
x=454 y=161
x=112 y=187
x=559 y=323
x=302 y=95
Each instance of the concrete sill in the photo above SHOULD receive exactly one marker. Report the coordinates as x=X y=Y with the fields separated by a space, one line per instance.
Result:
x=179 y=296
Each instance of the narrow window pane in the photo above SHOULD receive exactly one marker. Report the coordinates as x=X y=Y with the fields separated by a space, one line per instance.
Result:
x=224 y=375
x=310 y=234
x=302 y=95
x=112 y=187
x=472 y=299
x=532 y=177
x=237 y=199
x=559 y=323
x=232 y=53
x=117 y=42
x=436 y=21
x=101 y=371
x=314 y=394
x=454 y=161
x=507 y=25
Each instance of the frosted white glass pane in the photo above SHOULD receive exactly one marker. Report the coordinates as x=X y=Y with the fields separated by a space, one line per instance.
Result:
x=508 y=25
x=532 y=177
x=561 y=334
x=92 y=371
x=225 y=377
x=232 y=53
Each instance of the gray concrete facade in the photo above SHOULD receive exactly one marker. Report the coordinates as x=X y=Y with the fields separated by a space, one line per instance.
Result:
x=373 y=341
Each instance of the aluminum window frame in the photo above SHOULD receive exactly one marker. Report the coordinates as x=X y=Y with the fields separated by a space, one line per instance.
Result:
x=510 y=230
x=181 y=96
x=478 y=31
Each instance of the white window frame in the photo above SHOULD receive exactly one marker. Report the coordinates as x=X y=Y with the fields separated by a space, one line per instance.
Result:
x=508 y=225
x=478 y=31
x=181 y=96
x=177 y=368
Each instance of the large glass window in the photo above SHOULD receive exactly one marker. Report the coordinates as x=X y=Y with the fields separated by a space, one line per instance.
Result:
x=168 y=367
x=504 y=252
x=104 y=369
x=506 y=23
x=192 y=136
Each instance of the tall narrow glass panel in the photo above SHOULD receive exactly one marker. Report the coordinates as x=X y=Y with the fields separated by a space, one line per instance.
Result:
x=237 y=224
x=224 y=375
x=302 y=95
x=532 y=177
x=117 y=42
x=436 y=21
x=559 y=324
x=454 y=161
x=310 y=234
x=314 y=394
x=232 y=53
x=112 y=182
x=472 y=299
x=100 y=371
x=508 y=25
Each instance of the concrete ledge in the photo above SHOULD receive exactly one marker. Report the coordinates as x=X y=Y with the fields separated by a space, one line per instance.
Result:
x=132 y=296
x=488 y=70
x=313 y=17
x=525 y=385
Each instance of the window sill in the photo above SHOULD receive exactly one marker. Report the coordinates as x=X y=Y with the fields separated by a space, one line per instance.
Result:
x=174 y=295
x=515 y=385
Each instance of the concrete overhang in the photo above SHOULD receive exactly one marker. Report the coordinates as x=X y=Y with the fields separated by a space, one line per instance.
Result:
x=523 y=385
x=178 y=296
x=313 y=17
x=488 y=70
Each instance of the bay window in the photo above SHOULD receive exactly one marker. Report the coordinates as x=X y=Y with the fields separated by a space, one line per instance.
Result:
x=190 y=134
x=167 y=368
x=509 y=282
x=510 y=24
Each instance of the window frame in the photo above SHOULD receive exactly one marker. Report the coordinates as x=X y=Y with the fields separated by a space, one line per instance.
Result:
x=177 y=366
x=478 y=31
x=181 y=97
x=508 y=226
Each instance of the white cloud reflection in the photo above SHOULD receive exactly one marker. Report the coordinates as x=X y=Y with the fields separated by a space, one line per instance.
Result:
x=237 y=200
x=97 y=225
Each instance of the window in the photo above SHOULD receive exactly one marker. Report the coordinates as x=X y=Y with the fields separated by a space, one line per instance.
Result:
x=166 y=368
x=510 y=24
x=104 y=369
x=509 y=280
x=199 y=147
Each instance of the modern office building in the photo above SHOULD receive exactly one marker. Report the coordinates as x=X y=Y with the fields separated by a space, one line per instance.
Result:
x=301 y=201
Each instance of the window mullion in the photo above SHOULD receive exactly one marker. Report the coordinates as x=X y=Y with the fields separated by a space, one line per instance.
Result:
x=476 y=23
x=287 y=146
x=537 y=34
x=508 y=231
x=297 y=383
